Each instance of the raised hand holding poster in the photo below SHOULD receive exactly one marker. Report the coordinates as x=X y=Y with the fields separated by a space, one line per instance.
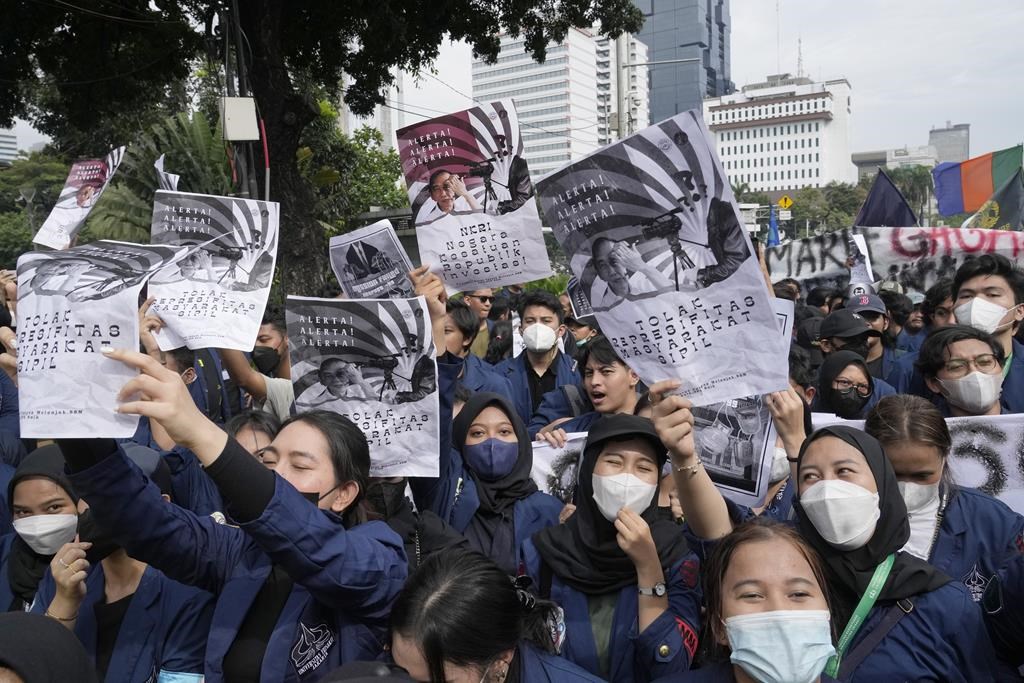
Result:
x=370 y=263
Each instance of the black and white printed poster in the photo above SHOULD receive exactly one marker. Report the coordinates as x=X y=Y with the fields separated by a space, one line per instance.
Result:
x=578 y=300
x=85 y=183
x=652 y=231
x=214 y=296
x=556 y=470
x=372 y=360
x=472 y=198
x=370 y=263
x=71 y=304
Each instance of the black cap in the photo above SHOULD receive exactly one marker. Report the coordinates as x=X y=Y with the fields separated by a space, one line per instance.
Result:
x=620 y=427
x=844 y=323
x=152 y=465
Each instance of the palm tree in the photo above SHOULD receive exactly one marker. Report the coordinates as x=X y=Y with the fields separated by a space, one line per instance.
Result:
x=740 y=191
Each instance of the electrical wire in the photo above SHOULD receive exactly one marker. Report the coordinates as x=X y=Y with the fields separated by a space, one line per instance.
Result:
x=103 y=15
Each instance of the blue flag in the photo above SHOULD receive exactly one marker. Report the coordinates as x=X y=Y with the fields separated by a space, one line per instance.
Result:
x=885 y=206
x=773 y=228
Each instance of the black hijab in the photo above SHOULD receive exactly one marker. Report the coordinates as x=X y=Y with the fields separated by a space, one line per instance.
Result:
x=583 y=552
x=834 y=364
x=25 y=567
x=492 y=529
x=851 y=570
x=41 y=650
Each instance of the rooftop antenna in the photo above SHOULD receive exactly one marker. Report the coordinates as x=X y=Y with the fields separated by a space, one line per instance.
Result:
x=799 y=57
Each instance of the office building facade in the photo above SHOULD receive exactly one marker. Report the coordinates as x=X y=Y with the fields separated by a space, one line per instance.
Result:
x=8 y=147
x=952 y=143
x=609 y=78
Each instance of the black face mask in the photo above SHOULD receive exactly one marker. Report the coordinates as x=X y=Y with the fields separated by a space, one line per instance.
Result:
x=103 y=545
x=386 y=498
x=266 y=359
x=860 y=349
x=314 y=497
x=849 y=404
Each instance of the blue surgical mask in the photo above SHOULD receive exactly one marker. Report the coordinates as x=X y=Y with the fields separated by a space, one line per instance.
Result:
x=786 y=646
x=492 y=459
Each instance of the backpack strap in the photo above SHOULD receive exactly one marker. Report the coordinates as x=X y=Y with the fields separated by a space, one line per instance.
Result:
x=852 y=660
x=577 y=401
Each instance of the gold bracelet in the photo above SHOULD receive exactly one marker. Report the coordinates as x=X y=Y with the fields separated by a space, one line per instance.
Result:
x=54 y=616
x=692 y=469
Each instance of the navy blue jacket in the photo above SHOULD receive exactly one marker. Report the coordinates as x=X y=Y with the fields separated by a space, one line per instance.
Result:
x=191 y=488
x=345 y=580
x=479 y=375
x=6 y=596
x=1004 y=611
x=890 y=357
x=719 y=672
x=516 y=369
x=553 y=406
x=6 y=526
x=164 y=629
x=537 y=665
x=911 y=342
x=1012 y=399
x=9 y=420
x=905 y=378
x=666 y=646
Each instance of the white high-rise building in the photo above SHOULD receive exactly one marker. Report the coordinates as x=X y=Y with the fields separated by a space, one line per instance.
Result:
x=785 y=133
x=557 y=100
x=607 y=87
x=8 y=147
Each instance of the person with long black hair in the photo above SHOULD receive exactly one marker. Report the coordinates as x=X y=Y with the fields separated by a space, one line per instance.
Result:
x=619 y=567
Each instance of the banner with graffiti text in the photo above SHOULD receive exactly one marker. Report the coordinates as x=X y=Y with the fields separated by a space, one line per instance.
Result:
x=472 y=199
x=373 y=361
x=72 y=304
x=653 y=234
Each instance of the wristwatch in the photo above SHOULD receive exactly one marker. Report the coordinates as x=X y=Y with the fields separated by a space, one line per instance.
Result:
x=658 y=591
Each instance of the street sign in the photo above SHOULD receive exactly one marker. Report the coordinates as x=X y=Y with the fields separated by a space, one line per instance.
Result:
x=785 y=215
x=785 y=201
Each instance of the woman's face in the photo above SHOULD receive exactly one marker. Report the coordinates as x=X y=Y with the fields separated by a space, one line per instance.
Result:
x=767 y=576
x=852 y=375
x=491 y=423
x=406 y=653
x=253 y=440
x=634 y=457
x=832 y=458
x=39 y=496
x=915 y=462
x=302 y=456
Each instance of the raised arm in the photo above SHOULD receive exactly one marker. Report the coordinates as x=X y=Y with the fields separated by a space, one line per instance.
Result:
x=243 y=374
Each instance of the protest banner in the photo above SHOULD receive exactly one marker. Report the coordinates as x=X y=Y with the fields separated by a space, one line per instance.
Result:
x=165 y=180
x=915 y=257
x=71 y=304
x=472 y=198
x=652 y=232
x=85 y=183
x=555 y=469
x=373 y=361
x=370 y=263
x=578 y=300
x=216 y=294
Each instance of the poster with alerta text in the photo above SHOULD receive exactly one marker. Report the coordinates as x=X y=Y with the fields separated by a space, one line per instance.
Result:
x=216 y=294
x=373 y=361
x=86 y=182
x=72 y=304
x=472 y=199
x=652 y=232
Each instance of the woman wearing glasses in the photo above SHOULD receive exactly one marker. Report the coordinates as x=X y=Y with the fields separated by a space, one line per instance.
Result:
x=964 y=366
x=846 y=388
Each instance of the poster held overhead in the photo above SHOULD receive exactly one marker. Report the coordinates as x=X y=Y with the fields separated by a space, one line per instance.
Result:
x=652 y=232
x=472 y=199
x=71 y=304
x=370 y=263
x=373 y=361
x=215 y=296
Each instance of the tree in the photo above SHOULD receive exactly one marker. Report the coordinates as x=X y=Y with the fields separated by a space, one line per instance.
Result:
x=41 y=172
x=740 y=190
x=132 y=57
x=915 y=182
x=15 y=237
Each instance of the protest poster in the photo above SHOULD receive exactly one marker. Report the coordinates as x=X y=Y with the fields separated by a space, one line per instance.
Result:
x=578 y=300
x=71 y=304
x=735 y=439
x=165 y=180
x=652 y=231
x=472 y=199
x=85 y=183
x=215 y=295
x=555 y=470
x=370 y=263
x=915 y=257
x=373 y=361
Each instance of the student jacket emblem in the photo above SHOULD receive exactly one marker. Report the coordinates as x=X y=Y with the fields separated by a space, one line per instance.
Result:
x=312 y=647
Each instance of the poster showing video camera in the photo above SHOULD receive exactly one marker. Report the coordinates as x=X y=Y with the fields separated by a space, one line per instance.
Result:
x=215 y=295
x=472 y=199
x=373 y=361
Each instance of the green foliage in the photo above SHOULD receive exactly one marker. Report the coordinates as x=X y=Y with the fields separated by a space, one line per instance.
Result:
x=15 y=237
x=555 y=284
x=44 y=172
x=377 y=176
x=915 y=182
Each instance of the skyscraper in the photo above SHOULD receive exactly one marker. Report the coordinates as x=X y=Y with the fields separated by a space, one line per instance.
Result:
x=952 y=143
x=694 y=30
x=635 y=79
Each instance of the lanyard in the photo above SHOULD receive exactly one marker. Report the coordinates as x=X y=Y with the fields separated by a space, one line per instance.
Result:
x=1006 y=367
x=867 y=601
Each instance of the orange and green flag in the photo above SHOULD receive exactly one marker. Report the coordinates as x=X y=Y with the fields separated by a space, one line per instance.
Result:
x=964 y=187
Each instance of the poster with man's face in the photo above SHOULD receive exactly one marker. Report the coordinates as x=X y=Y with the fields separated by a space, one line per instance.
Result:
x=370 y=263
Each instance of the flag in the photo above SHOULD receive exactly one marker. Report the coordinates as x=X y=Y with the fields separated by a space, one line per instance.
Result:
x=773 y=228
x=885 y=206
x=964 y=187
x=1004 y=210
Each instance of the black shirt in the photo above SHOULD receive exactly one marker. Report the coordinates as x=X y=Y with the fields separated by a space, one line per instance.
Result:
x=244 y=659
x=108 y=624
x=875 y=367
x=540 y=384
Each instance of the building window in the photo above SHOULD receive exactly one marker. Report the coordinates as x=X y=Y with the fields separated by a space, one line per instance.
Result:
x=817 y=172
x=816 y=156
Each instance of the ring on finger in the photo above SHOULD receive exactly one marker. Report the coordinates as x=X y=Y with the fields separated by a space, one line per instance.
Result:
x=63 y=563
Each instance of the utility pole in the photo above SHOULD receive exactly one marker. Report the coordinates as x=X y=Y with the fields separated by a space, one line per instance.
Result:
x=622 y=83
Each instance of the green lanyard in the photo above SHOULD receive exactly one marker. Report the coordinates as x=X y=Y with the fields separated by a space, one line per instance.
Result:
x=1006 y=367
x=867 y=601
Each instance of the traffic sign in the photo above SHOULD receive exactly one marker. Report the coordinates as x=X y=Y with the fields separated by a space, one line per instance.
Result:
x=785 y=201
x=785 y=215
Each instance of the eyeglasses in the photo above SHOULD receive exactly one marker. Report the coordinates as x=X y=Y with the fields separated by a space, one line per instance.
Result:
x=958 y=367
x=483 y=299
x=845 y=385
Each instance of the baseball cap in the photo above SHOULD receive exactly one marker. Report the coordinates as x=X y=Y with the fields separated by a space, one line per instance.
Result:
x=916 y=297
x=866 y=302
x=844 y=323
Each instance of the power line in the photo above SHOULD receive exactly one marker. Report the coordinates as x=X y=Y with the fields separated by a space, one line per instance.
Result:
x=103 y=15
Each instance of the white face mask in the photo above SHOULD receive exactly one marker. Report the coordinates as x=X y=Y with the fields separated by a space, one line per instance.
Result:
x=922 y=502
x=45 y=534
x=981 y=314
x=975 y=393
x=780 y=465
x=843 y=513
x=918 y=496
x=785 y=646
x=619 y=491
x=539 y=338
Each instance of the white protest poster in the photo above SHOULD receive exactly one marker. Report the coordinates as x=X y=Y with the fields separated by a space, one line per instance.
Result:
x=373 y=361
x=71 y=304
x=555 y=470
x=370 y=263
x=85 y=183
x=214 y=296
x=652 y=232
x=165 y=180
x=472 y=199
x=735 y=439
x=578 y=300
